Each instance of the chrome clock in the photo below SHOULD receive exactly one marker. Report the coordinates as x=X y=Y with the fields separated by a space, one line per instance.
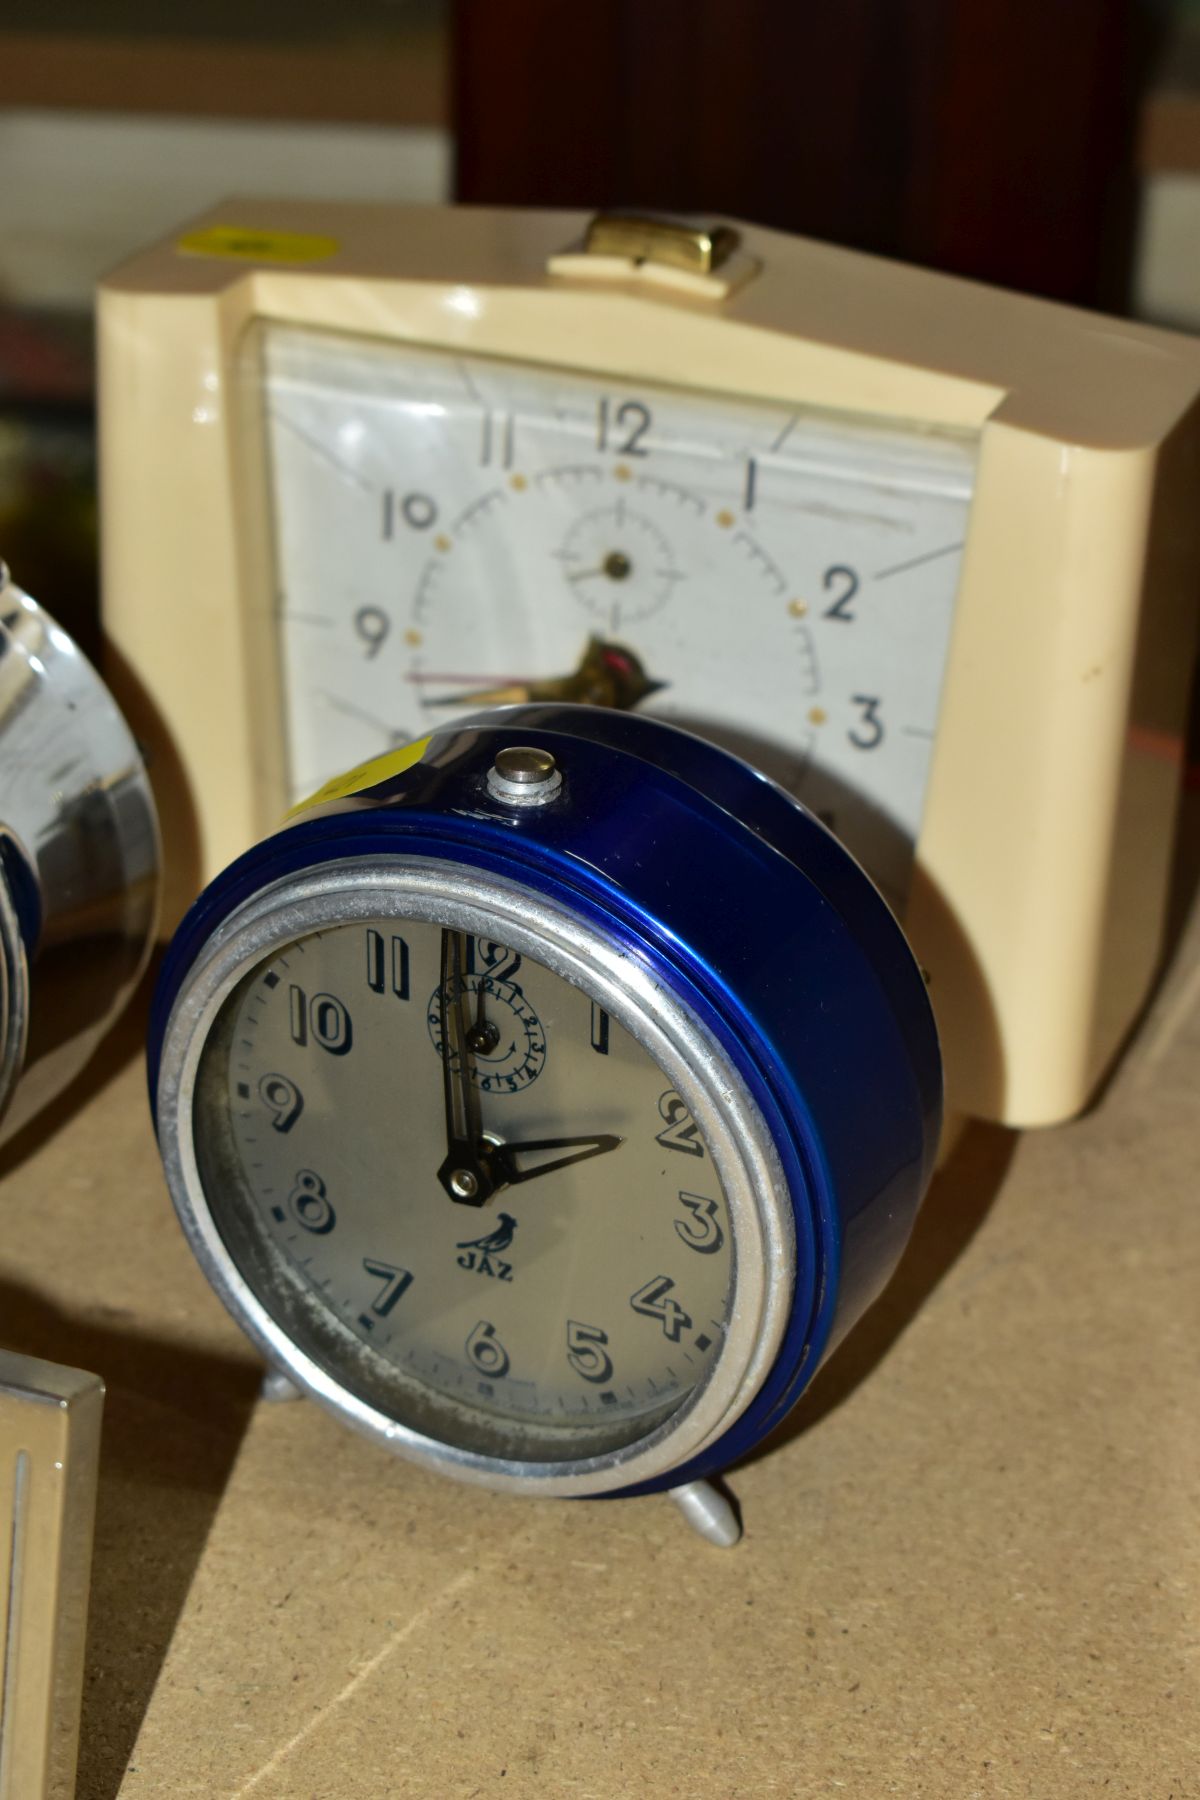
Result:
x=79 y=859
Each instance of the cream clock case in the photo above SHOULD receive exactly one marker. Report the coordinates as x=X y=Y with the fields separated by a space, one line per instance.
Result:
x=922 y=552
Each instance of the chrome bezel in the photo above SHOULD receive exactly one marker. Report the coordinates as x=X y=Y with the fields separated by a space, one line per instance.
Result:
x=743 y=1153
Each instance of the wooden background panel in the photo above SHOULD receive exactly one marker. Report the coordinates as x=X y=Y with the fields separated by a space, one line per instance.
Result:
x=988 y=137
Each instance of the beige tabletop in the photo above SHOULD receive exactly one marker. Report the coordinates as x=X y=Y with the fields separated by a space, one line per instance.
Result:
x=970 y=1565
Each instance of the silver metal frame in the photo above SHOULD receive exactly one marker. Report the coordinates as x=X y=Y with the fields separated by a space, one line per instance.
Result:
x=50 y=1420
x=743 y=1153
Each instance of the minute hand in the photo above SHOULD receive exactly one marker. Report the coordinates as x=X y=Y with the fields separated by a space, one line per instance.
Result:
x=467 y=1173
x=502 y=1157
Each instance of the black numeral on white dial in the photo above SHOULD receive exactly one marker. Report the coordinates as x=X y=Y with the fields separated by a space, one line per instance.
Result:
x=844 y=583
x=487 y=958
x=324 y=1018
x=395 y=1282
x=599 y=1029
x=384 y=962
x=631 y=422
x=372 y=625
x=418 y=511
x=868 y=734
x=282 y=1099
x=681 y=1131
x=310 y=1205
x=497 y=439
x=701 y=1231
x=487 y=1352
x=586 y=1353
x=654 y=1302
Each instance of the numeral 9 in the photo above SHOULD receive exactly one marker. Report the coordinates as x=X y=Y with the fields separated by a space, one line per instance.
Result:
x=372 y=625
x=282 y=1099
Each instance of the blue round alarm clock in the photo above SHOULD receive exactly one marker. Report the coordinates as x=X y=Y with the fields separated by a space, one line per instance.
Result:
x=547 y=1099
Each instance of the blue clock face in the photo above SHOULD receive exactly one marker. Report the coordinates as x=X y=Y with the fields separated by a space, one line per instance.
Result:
x=555 y=1291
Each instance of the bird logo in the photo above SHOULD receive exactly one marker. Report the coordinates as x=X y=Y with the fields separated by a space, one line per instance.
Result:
x=496 y=1240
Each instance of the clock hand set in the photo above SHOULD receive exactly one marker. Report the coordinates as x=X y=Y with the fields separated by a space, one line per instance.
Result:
x=475 y=1168
x=606 y=675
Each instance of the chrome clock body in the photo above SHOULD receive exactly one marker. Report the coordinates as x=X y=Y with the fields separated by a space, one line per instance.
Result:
x=79 y=858
x=552 y=1144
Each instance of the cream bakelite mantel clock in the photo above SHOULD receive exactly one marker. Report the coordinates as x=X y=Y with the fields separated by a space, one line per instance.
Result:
x=924 y=552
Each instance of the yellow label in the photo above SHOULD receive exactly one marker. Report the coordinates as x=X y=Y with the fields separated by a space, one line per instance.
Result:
x=247 y=244
x=366 y=775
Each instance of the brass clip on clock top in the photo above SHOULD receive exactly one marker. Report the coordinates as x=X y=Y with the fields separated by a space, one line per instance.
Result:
x=705 y=260
x=643 y=237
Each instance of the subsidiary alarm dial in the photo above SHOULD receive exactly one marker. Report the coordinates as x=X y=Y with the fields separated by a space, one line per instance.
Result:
x=618 y=565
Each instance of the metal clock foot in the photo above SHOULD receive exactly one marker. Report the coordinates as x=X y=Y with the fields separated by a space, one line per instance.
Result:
x=278 y=1386
x=710 y=1512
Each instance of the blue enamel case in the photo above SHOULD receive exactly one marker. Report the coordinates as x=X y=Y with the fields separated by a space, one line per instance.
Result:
x=737 y=902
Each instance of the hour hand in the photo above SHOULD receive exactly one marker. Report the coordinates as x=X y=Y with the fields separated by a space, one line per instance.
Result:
x=606 y=675
x=503 y=1156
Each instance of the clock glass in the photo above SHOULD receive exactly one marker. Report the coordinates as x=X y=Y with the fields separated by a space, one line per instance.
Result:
x=454 y=530
x=550 y=1284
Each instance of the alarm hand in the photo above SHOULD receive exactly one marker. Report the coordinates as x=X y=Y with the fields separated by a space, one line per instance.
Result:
x=616 y=566
x=502 y=1156
x=606 y=675
x=466 y=1173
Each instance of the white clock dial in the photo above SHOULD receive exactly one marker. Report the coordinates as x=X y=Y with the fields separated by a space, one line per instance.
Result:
x=451 y=530
x=568 y=1314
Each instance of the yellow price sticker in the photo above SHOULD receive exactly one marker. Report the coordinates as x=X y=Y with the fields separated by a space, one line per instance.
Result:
x=366 y=775
x=246 y=243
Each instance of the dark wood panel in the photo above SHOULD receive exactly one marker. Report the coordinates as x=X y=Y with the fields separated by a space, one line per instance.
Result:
x=990 y=137
x=1034 y=146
